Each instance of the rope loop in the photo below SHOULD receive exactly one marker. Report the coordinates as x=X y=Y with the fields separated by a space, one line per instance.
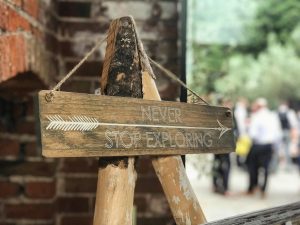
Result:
x=49 y=96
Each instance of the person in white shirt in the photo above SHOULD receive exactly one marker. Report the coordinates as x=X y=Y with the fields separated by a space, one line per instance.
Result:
x=264 y=130
x=241 y=115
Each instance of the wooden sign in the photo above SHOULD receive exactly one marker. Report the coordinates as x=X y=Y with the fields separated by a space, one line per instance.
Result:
x=77 y=125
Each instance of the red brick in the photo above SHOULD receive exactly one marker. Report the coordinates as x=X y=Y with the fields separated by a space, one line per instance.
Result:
x=46 y=169
x=11 y=20
x=40 y=189
x=148 y=185
x=140 y=203
x=144 y=166
x=9 y=147
x=72 y=204
x=74 y=9
x=8 y=189
x=26 y=107
x=80 y=165
x=17 y=3
x=31 y=7
x=26 y=127
x=31 y=149
x=29 y=211
x=89 y=68
x=13 y=56
x=70 y=28
x=77 y=220
x=77 y=86
x=81 y=185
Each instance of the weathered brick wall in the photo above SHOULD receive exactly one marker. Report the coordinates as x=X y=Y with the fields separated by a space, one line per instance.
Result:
x=28 y=39
x=28 y=62
x=50 y=37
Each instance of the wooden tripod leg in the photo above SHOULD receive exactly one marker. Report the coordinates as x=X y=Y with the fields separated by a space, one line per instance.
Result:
x=121 y=76
x=181 y=197
x=170 y=170
x=115 y=191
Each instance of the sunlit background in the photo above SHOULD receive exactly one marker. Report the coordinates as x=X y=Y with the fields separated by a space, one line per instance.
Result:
x=250 y=49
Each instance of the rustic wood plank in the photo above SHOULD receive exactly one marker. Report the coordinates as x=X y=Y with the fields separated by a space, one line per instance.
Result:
x=78 y=125
x=278 y=215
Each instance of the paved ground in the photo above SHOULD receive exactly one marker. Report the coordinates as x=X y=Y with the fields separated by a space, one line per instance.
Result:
x=284 y=187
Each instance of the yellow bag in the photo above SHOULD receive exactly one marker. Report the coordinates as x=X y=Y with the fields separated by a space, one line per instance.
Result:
x=243 y=145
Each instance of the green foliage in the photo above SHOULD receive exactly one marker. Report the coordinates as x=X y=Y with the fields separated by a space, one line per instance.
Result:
x=208 y=66
x=274 y=74
x=272 y=69
x=279 y=17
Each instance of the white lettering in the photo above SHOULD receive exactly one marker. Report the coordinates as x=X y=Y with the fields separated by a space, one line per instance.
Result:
x=161 y=114
x=127 y=139
x=155 y=113
x=149 y=138
x=110 y=144
x=178 y=115
x=128 y=145
x=207 y=140
x=189 y=140
x=177 y=138
x=146 y=113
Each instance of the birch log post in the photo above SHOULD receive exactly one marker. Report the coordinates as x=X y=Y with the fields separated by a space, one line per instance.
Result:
x=121 y=76
x=170 y=170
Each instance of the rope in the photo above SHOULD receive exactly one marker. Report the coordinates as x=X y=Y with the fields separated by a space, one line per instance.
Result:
x=174 y=77
x=50 y=95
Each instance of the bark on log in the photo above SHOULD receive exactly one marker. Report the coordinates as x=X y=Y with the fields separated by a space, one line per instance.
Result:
x=170 y=170
x=121 y=76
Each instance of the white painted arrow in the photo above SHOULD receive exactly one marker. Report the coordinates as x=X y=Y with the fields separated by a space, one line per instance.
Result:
x=84 y=123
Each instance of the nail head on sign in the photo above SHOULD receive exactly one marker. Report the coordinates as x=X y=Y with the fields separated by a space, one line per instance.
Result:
x=228 y=113
x=49 y=96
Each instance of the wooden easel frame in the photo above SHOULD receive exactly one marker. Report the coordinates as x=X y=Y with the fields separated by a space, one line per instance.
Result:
x=117 y=175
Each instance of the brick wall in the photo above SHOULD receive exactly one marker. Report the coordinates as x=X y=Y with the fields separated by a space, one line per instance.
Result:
x=39 y=42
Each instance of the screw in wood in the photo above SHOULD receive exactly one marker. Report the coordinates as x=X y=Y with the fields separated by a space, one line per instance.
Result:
x=49 y=96
x=228 y=113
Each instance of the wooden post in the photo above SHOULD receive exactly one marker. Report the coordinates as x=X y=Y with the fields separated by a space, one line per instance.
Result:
x=121 y=76
x=170 y=170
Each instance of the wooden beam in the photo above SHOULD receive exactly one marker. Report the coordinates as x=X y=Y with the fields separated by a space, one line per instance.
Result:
x=170 y=170
x=121 y=76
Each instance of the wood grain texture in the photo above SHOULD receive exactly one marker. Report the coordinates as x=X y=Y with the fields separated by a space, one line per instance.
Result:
x=275 y=216
x=169 y=169
x=121 y=76
x=172 y=175
x=78 y=125
x=178 y=190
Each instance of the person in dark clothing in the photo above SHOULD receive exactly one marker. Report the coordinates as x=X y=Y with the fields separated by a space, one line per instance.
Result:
x=221 y=169
x=259 y=157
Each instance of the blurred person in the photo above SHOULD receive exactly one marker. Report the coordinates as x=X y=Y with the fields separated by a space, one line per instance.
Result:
x=264 y=131
x=298 y=119
x=221 y=170
x=289 y=126
x=241 y=115
x=221 y=166
x=240 y=118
